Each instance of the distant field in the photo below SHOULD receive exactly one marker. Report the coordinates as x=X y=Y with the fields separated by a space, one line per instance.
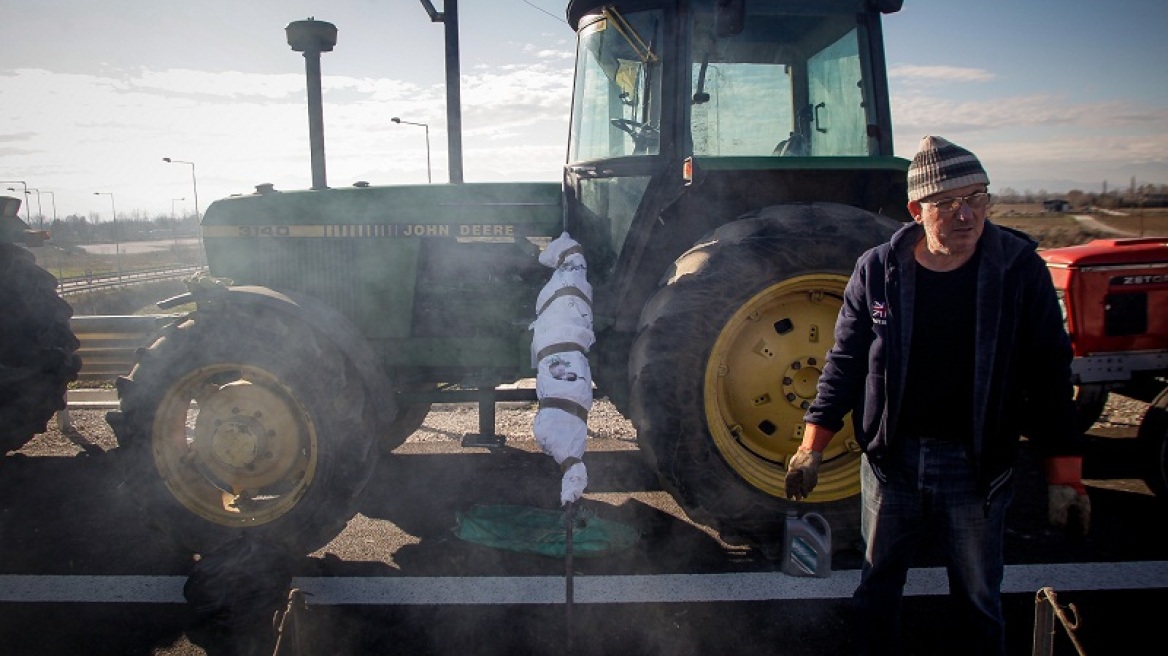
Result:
x=66 y=261
x=1054 y=230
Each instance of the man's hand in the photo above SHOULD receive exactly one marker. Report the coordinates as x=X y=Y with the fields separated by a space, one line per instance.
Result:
x=1069 y=509
x=1069 y=506
x=803 y=473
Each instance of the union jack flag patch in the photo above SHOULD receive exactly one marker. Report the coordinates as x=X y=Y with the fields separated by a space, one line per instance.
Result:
x=879 y=310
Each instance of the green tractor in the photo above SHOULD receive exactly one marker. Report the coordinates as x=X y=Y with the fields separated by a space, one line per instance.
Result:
x=727 y=163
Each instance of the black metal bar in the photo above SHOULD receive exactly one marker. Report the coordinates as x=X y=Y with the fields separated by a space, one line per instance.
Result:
x=315 y=119
x=453 y=93
x=569 y=583
x=486 y=437
x=467 y=396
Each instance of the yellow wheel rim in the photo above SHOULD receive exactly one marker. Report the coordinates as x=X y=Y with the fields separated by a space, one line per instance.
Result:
x=761 y=377
x=234 y=445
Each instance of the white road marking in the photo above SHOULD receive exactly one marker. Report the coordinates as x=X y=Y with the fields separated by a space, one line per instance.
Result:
x=657 y=588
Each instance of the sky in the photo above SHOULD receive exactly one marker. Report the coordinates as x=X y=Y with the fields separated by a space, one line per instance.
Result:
x=1051 y=95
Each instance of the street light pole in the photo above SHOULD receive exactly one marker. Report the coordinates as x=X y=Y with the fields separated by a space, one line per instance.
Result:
x=40 y=213
x=429 y=177
x=117 y=242
x=60 y=251
x=174 y=221
x=53 y=197
x=194 y=182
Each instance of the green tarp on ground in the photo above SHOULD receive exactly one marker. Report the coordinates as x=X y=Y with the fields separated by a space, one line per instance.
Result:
x=543 y=532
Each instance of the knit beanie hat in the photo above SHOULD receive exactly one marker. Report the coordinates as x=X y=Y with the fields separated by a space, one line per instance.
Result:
x=940 y=166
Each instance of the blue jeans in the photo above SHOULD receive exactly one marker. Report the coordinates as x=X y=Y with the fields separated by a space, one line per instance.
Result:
x=925 y=489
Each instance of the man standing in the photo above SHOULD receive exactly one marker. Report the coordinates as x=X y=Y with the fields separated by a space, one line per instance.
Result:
x=949 y=346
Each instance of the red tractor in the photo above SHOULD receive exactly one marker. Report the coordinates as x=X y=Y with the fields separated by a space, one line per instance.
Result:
x=1114 y=294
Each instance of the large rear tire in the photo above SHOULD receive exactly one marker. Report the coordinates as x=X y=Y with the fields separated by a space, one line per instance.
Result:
x=1090 y=399
x=1153 y=439
x=38 y=350
x=409 y=419
x=726 y=361
x=239 y=419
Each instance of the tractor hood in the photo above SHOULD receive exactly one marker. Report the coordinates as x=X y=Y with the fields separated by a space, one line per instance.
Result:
x=1101 y=252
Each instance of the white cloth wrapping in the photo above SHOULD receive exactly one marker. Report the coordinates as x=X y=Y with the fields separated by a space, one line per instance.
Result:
x=573 y=484
x=568 y=309
x=549 y=333
x=550 y=257
x=573 y=273
x=563 y=376
x=560 y=434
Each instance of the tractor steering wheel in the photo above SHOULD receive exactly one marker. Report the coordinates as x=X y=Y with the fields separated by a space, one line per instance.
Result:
x=643 y=134
x=627 y=125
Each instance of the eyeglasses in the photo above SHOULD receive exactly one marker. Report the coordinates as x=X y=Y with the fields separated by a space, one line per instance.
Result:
x=978 y=201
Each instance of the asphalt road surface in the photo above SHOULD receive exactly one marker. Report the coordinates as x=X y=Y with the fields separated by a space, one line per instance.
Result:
x=80 y=573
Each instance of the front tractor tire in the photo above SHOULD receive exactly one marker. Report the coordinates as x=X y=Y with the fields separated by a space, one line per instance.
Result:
x=241 y=419
x=1153 y=440
x=38 y=350
x=726 y=361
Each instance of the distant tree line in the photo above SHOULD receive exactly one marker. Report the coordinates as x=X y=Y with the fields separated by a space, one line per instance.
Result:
x=1134 y=196
x=75 y=229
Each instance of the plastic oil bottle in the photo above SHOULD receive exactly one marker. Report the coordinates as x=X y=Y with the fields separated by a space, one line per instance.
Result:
x=807 y=545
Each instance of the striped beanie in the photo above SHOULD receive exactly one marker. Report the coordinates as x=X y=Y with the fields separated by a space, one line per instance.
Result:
x=940 y=166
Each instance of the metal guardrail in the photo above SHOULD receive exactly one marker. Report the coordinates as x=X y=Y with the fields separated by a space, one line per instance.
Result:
x=80 y=284
x=108 y=343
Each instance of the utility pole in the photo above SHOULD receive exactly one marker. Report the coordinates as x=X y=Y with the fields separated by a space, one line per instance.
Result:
x=449 y=18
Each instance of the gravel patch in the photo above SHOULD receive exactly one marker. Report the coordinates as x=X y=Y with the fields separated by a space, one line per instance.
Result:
x=88 y=430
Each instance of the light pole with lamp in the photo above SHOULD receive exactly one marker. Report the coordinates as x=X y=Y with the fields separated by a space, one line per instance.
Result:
x=60 y=251
x=25 y=185
x=53 y=197
x=173 y=221
x=117 y=243
x=429 y=177
x=194 y=182
x=40 y=214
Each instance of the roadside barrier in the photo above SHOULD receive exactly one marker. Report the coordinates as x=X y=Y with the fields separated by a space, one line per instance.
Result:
x=108 y=343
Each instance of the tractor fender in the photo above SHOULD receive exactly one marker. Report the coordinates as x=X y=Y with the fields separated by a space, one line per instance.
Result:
x=321 y=317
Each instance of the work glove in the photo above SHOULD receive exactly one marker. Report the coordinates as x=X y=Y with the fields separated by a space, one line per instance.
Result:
x=802 y=473
x=1069 y=507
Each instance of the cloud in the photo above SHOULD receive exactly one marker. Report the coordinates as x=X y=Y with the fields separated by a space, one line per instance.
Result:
x=566 y=53
x=915 y=111
x=76 y=132
x=910 y=74
x=1042 y=140
x=16 y=136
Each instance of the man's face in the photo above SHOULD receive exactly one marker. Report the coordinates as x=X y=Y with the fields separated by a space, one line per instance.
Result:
x=952 y=231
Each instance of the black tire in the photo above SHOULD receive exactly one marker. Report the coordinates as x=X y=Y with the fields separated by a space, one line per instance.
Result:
x=408 y=420
x=1153 y=439
x=239 y=421
x=1089 y=403
x=38 y=350
x=727 y=357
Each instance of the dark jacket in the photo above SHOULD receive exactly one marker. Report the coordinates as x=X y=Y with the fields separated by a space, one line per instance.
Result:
x=1022 y=374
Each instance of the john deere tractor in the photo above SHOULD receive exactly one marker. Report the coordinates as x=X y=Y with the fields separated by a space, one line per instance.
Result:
x=727 y=163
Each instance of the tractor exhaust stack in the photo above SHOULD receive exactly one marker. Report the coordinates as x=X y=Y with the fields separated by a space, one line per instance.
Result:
x=313 y=37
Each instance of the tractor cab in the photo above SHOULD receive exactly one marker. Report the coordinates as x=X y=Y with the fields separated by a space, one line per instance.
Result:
x=738 y=105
